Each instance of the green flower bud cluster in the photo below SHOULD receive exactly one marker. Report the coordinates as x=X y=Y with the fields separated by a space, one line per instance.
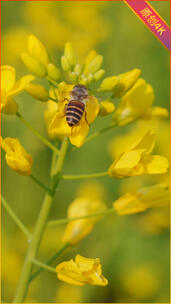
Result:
x=83 y=74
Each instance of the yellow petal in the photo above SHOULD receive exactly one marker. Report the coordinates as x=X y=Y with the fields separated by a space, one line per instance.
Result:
x=64 y=91
x=21 y=84
x=91 y=108
x=147 y=142
x=79 y=132
x=129 y=159
x=8 y=75
x=9 y=106
x=37 y=50
x=125 y=82
x=155 y=164
x=140 y=96
x=59 y=125
x=128 y=204
x=156 y=112
x=68 y=280
x=124 y=165
x=106 y=108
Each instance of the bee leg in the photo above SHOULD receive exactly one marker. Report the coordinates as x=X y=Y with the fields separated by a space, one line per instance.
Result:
x=86 y=118
x=65 y=99
x=72 y=131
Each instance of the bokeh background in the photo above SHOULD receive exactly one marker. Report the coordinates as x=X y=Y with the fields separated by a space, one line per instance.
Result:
x=134 y=250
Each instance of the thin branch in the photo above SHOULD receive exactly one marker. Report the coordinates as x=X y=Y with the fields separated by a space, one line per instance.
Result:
x=36 y=133
x=49 y=261
x=85 y=176
x=37 y=181
x=44 y=266
x=15 y=218
x=67 y=220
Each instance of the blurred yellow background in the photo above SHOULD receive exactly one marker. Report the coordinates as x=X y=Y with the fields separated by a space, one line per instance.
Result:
x=134 y=250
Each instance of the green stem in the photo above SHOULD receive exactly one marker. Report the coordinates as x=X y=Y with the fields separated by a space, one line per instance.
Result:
x=39 y=183
x=15 y=218
x=67 y=220
x=39 y=228
x=49 y=261
x=100 y=132
x=44 y=266
x=42 y=138
x=84 y=176
x=52 y=81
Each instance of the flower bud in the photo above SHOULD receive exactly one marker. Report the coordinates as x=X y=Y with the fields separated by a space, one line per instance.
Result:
x=37 y=92
x=89 y=78
x=69 y=53
x=106 y=108
x=83 y=81
x=53 y=71
x=94 y=65
x=72 y=76
x=108 y=83
x=33 y=65
x=65 y=64
x=99 y=74
x=91 y=55
x=125 y=82
x=78 y=69
x=37 y=50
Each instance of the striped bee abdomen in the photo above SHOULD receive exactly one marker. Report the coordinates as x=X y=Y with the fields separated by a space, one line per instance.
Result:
x=74 y=112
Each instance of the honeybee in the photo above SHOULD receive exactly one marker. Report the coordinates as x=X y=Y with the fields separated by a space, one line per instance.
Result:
x=76 y=105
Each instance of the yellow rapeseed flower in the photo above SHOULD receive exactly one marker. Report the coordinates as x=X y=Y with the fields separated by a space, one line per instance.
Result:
x=16 y=156
x=137 y=161
x=144 y=198
x=59 y=125
x=125 y=141
x=82 y=271
x=134 y=103
x=77 y=230
x=10 y=88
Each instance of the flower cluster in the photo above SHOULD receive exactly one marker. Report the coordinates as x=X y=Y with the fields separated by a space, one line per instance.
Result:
x=73 y=93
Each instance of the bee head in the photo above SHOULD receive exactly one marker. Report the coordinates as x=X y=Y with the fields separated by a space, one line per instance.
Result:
x=79 y=92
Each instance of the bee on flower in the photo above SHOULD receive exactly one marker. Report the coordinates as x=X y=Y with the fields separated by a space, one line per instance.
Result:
x=76 y=111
